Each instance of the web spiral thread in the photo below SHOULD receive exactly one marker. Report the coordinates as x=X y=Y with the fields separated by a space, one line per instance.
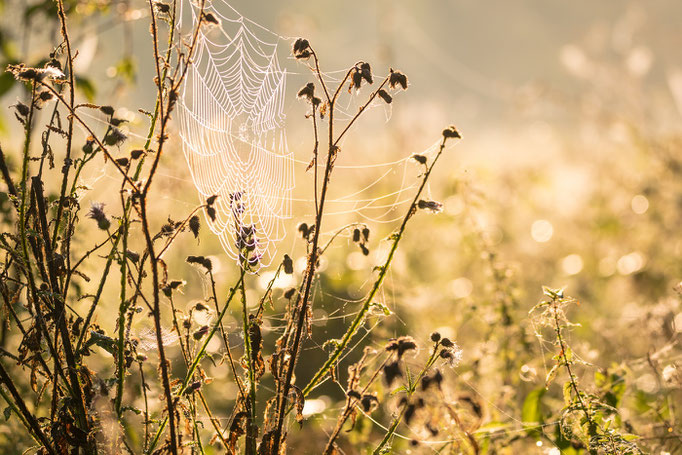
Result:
x=234 y=139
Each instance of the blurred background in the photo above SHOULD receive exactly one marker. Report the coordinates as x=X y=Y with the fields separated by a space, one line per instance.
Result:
x=568 y=173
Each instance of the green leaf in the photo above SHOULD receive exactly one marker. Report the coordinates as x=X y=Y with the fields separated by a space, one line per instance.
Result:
x=531 y=413
x=86 y=86
x=6 y=83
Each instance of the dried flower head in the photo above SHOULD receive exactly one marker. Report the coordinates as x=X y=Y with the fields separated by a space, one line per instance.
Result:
x=392 y=372
x=288 y=264
x=307 y=92
x=301 y=49
x=194 y=225
x=200 y=260
x=451 y=132
x=432 y=206
x=397 y=78
x=401 y=345
x=383 y=94
x=209 y=18
x=97 y=213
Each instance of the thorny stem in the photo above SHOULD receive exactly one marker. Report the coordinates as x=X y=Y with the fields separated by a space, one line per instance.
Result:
x=321 y=374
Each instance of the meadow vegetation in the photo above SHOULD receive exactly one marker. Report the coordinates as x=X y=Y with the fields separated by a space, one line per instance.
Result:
x=121 y=334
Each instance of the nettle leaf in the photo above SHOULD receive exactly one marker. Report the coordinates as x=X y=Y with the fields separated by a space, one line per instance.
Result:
x=531 y=413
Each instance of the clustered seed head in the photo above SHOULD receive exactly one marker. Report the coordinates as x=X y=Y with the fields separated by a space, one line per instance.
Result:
x=97 y=213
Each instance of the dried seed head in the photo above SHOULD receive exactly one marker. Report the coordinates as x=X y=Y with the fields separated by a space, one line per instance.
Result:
x=364 y=249
x=200 y=307
x=356 y=235
x=446 y=342
x=366 y=72
x=432 y=206
x=209 y=18
x=369 y=403
x=210 y=211
x=162 y=7
x=288 y=264
x=301 y=49
x=421 y=159
x=397 y=78
x=307 y=92
x=289 y=293
x=354 y=394
x=135 y=154
x=115 y=137
x=365 y=234
x=45 y=96
x=435 y=337
x=22 y=109
x=122 y=161
x=451 y=132
x=383 y=94
x=133 y=256
x=108 y=110
x=200 y=260
x=200 y=333
x=194 y=225
x=392 y=372
x=97 y=213
x=211 y=199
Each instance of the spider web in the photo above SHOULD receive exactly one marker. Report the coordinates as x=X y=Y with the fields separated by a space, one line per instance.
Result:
x=234 y=140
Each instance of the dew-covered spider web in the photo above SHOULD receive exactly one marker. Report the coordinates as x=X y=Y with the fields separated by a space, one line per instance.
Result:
x=232 y=127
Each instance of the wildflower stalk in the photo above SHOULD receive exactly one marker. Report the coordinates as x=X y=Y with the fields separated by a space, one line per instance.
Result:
x=252 y=429
x=28 y=417
x=198 y=357
x=321 y=374
x=410 y=389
